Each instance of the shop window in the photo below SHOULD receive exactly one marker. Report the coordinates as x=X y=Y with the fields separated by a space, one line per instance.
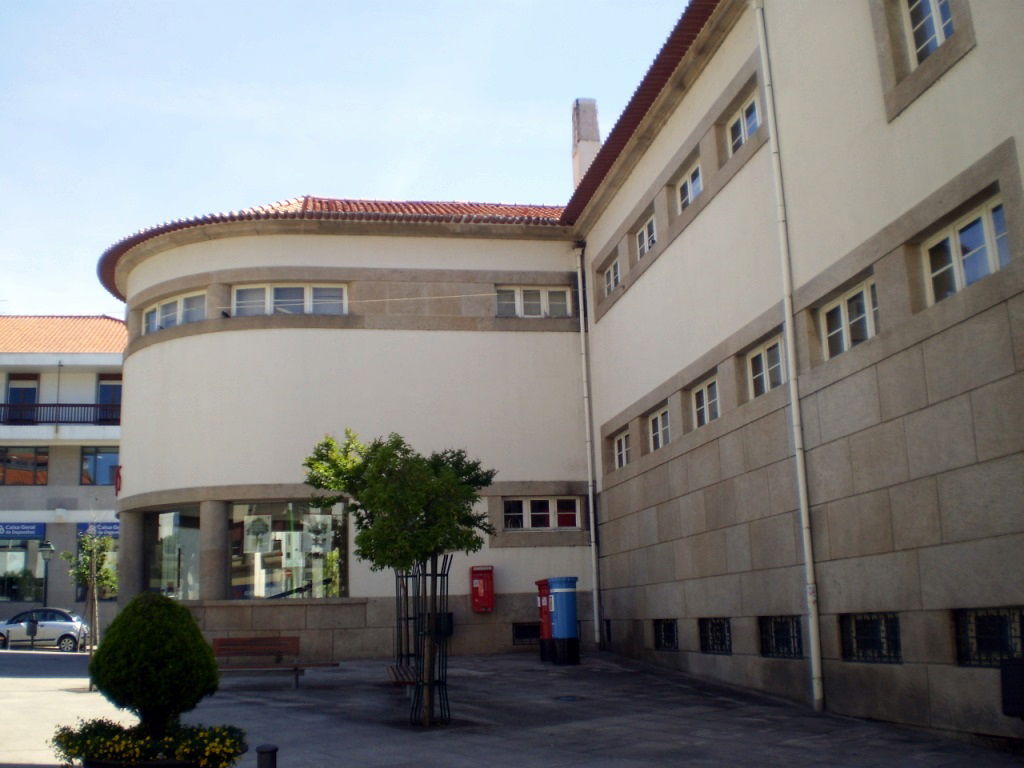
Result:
x=171 y=552
x=22 y=568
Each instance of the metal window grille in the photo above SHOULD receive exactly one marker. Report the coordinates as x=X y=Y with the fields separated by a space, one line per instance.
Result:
x=666 y=635
x=986 y=636
x=715 y=636
x=871 y=637
x=526 y=633
x=781 y=637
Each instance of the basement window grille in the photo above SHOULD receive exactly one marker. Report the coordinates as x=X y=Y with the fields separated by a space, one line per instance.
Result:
x=871 y=637
x=986 y=636
x=526 y=633
x=715 y=636
x=780 y=637
x=666 y=635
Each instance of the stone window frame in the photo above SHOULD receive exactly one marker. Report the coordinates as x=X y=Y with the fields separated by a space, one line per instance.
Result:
x=903 y=79
x=307 y=298
x=739 y=118
x=840 y=302
x=702 y=401
x=759 y=350
x=666 y=634
x=983 y=212
x=659 y=429
x=552 y=513
x=153 y=316
x=621 y=450
x=544 y=295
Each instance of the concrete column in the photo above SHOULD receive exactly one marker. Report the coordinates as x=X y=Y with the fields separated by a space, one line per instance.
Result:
x=214 y=553
x=586 y=138
x=218 y=300
x=131 y=578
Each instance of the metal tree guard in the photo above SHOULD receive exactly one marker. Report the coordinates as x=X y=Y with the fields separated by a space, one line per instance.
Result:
x=431 y=659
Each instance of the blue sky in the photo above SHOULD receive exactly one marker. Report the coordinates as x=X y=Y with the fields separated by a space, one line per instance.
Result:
x=117 y=116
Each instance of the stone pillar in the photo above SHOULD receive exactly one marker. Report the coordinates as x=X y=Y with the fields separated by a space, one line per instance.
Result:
x=131 y=579
x=214 y=553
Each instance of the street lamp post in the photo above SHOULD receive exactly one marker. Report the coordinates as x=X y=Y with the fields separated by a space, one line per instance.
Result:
x=46 y=552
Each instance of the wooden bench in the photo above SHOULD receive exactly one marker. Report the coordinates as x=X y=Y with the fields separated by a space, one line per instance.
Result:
x=276 y=654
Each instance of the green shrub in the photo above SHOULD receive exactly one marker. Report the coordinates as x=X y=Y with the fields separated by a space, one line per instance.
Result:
x=154 y=662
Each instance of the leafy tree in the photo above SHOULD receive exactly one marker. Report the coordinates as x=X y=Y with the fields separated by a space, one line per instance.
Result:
x=408 y=509
x=154 y=662
x=89 y=568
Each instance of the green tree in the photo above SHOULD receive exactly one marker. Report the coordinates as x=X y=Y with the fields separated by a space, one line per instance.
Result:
x=408 y=509
x=89 y=568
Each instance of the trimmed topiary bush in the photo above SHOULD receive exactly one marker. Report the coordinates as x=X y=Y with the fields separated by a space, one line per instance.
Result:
x=154 y=662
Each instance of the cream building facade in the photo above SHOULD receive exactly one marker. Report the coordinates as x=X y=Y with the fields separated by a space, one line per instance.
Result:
x=801 y=405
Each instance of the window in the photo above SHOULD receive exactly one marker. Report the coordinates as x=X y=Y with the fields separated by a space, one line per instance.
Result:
x=973 y=247
x=290 y=300
x=526 y=633
x=541 y=513
x=621 y=448
x=658 y=424
x=533 y=302
x=612 y=278
x=850 y=319
x=715 y=636
x=24 y=466
x=108 y=398
x=646 y=237
x=666 y=635
x=986 y=636
x=21 y=565
x=705 y=402
x=871 y=637
x=690 y=187
x=743 y=125
x=765 y=367
x=930 y=24
x=780 y=637
x=177 y=311
x=22 y=398
x=99 y=465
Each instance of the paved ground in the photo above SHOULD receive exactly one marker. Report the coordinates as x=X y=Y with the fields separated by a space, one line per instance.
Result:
x=507 y=711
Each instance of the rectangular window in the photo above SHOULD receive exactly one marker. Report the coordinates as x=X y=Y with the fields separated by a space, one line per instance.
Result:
x=526 y=633
x=666 y=635
x=780 y=637
x=986 y=636
x=612 y=278
x=541 y=513
x=328 y=300
x=973 y=247
x=250 y=302
x=929 y=25
x=533 y=302
x=99 y=465
x=169 y=314
x=289 y=300
x=871 y=637
x=22 y=398
x=715 y=636
x=705 y=402
x=659 y=430
x=764 y=365
x=193 y=309
x=621 y=447
x=850 y=319
x=742 y=125
x=108 y=398
x=646 y=237
x=690 y=187
x=21 y=570
x=24 y=466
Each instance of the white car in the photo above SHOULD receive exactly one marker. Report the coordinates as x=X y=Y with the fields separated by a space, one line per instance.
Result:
x=54 y=626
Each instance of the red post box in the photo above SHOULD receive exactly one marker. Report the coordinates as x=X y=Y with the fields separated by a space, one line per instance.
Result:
x=481 y=588
x=544 y=612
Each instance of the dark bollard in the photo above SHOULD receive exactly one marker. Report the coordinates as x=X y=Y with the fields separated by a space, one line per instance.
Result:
x=266 y=756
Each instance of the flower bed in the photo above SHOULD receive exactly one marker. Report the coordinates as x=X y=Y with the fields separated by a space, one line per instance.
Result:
x=100 y=743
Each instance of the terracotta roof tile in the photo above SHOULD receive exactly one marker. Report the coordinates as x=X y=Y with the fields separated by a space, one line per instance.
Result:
x=35 y=334
x=327 y=208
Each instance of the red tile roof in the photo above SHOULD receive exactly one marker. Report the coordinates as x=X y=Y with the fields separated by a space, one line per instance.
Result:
x=68 y=334
x=327 y=208
x=676 y=47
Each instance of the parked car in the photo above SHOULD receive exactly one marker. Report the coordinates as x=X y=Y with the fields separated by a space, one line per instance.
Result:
x=54 y=626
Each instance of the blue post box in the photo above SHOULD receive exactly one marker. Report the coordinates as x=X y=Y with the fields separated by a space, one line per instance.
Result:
x=564 y=627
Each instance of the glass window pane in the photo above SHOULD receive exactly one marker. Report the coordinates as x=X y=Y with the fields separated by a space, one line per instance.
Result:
x=531 y=303
x=290 y=300
x=712 y=401
x=169 y=314
x=940 y=260
x=506 y=303
x=558 y=304
x=250 y=301
x=193 y=309
x=1002 y=241
x=947 y=18
x=736 y=135
x=750 y=115
x=567 y=517
x=874 y=309
x=696 y=185
x=540 y=517
x=150 y=324
x=328 y=301
x=757 y=377
x=684 y=194
x=513 y=513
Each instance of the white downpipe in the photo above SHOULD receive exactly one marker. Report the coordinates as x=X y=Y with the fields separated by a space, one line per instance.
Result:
x=589 y=445
x=796 y=427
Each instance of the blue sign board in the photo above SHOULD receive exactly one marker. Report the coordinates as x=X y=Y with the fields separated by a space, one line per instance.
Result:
x=22 y=530
x=113 y=530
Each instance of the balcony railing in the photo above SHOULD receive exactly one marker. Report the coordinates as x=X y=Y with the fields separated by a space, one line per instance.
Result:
x=60 y=413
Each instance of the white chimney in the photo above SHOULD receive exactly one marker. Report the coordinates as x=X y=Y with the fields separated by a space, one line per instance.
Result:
x=586 y=139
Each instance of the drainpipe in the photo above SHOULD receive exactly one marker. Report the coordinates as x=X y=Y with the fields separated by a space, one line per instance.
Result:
x=588 y=440
x=56 y=425
x=796 y=427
